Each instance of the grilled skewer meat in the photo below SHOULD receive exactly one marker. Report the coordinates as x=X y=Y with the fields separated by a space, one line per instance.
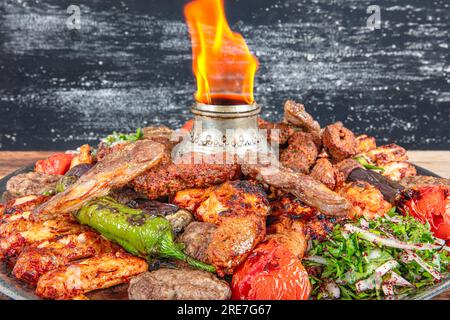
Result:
x=339 y=141
x=178 y=284
x=115 y=171
x=385 y=154
x=324 y=172
x=295 y=114
x=367 y=200
x=301 y=152
x=365 y=143
x=25 y=184
x=100 y=272
x=42 y=257
x=22 y=232
x=168 y=177
x=399 y=170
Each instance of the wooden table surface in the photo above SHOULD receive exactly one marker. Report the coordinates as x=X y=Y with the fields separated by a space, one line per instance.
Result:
x=436 y=161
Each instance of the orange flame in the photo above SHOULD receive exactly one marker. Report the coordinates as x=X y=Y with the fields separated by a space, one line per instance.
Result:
x=221 y=61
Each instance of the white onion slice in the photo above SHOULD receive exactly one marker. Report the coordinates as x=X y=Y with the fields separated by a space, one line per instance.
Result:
x=369 y=236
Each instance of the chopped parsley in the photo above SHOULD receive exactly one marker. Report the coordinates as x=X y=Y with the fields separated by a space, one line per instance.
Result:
x=116 y=138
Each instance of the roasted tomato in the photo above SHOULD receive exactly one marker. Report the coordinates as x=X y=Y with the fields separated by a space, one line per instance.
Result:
x=58 y=163
x=271 y=272
x=429 y=204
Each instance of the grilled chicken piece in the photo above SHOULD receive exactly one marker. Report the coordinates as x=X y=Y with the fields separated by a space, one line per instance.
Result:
x=42 y=257
x=292 y=206
x=367 y=200
x=399 y=170
x=295 y=114
x=365 y=143
x=190 y=199
x=23 y=204
x=23 y=232
x=386 y=154
x=310 y=191
x=188 y=172
x=417 y=181
x=301 y=152
x=25 y=184
x=339 y=141
x=115 y=171
x=324 y=172
x=239 y=208
x=290 y=234
x=95 y=273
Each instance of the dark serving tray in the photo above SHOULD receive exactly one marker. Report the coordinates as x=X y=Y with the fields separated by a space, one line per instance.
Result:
x=17 y=290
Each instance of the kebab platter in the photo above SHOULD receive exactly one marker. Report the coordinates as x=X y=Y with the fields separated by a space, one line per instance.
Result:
x=157 y=214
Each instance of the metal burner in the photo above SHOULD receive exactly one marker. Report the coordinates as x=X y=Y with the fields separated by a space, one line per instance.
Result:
x=225 y=128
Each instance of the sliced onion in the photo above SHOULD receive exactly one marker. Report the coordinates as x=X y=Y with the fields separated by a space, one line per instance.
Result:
x=317 y=259
x=332 y=289
x=375 y=279
x=423 y=264
x=388 y=289
x=394 y=243
x=397 y=280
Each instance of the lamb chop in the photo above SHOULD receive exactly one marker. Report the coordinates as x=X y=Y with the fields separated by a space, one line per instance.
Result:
x=310 y=191
x=115 y=171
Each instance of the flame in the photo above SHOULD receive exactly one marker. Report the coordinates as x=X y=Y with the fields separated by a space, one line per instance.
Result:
x=221 y=61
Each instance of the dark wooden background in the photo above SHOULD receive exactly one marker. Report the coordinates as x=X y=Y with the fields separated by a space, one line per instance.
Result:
x=130 y=65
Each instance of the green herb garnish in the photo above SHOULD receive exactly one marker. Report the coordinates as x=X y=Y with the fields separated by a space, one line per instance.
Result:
x=116 y=137
x=350 y=259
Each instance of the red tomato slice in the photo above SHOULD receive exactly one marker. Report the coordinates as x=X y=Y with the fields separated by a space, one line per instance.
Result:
x=271 y=272
x=57 y=164
x=430 y=204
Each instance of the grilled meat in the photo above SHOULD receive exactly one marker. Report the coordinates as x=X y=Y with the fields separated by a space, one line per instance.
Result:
x=416 y=181
x=386 y=154
x=399 y=170
x=366 y=199
x=196 y=239
x=301 y=152
x=324 y=172
x=178 y=284
x=21 y=233
x=42 y=257
x=365 y=143
x=291 y=214
x=295 y=114
x=285 y=131
x=239 y=208
x=115 y=171
x=23 y=204
x=339 y=141
x=169 y=177
x=25 y=184
x=388 y=188
x=292 y=206
x=346 y=167
x=290 y=234
x=100 y=272
x=190 y=199
x=306 y=188
x=233 y=199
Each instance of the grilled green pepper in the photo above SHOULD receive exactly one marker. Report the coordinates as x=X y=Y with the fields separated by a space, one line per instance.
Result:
x=139 y=233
